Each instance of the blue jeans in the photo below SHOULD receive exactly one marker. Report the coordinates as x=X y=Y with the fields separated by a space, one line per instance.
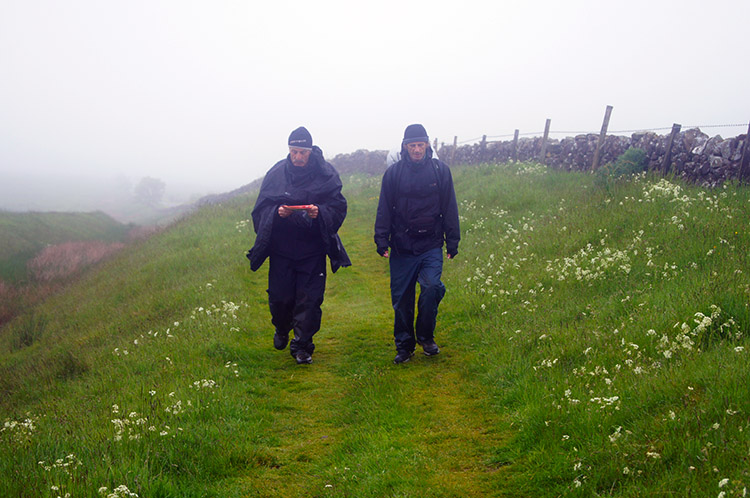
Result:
x=406 y=271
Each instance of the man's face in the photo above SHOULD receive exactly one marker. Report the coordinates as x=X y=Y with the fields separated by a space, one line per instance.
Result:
x=299 y=157
x=416 y=150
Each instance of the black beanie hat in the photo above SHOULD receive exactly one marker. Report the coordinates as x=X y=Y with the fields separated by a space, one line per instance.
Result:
x=415 y=133
x=301 y=138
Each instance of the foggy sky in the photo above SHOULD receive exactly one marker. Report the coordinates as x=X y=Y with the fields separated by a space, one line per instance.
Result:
x=205 y=93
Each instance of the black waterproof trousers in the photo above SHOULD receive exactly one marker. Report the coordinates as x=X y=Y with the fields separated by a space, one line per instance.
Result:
x=295 y=293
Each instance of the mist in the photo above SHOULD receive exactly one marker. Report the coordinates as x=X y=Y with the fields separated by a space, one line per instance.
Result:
x=203 y=96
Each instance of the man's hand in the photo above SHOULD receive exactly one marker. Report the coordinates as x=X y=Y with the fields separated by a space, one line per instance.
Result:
x=383 y=252
x=312 y=212
x=284 y=211
x=451 y=255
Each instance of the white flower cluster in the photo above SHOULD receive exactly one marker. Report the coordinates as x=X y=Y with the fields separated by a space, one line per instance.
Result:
x=20 y=430
x=531 y=169
x=120 y=491
x=686 y=336
x=64 y=464
x=241 y=226
x=663 y=189
x=227 y=310
x=203 y=384
x=131 y=425
x=590 y=264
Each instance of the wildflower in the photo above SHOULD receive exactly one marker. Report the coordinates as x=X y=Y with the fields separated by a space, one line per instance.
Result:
x=615 y=435
x=723 y=482
x=626 y=470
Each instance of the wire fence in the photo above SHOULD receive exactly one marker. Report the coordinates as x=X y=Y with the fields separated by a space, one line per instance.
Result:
x=593 y=132
x=665 y=162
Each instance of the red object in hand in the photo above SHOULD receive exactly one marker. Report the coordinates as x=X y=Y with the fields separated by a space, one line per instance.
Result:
x=303 y=206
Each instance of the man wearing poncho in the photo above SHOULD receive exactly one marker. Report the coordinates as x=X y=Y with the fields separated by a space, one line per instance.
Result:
x=296 y=220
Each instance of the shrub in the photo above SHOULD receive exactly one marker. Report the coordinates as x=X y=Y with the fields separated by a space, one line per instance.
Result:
x=631 y=162
x=65 y=260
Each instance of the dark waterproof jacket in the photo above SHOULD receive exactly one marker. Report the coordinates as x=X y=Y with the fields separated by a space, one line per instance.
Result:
x=318 y=184
x=417 y=210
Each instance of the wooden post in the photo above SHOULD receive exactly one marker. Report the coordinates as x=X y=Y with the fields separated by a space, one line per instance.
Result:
x=483 y=148
x=515 y=146
x=665 y=166
x=543 y=151
x=455 y=146
x=745 y=155
x=602 y=135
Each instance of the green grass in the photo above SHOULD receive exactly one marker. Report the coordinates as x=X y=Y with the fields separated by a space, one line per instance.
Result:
x=23 y=235
x=565 y=367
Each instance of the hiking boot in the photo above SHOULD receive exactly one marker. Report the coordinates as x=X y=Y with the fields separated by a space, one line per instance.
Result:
x=430 y=348
x=403 y=357
x=303 y=358
x=280 y=340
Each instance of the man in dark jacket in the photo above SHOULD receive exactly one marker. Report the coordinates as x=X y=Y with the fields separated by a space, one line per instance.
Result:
x=296 y=219
x=417 y=214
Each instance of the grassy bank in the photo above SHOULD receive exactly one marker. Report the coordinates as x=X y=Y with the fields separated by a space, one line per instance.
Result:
x=23 y=235
x=594 y=343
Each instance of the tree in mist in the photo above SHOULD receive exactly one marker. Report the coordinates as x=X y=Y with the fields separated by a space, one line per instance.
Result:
x=150 y=191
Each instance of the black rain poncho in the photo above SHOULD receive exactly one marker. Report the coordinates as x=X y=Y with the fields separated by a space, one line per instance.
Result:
x=321 y=186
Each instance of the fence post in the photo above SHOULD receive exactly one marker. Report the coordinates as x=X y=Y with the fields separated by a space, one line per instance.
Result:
x=483 y=148
x=455 y=146
x=602 y=135
x=543 y=151
x=665 y=166
x=745 y=154
x=515 y=146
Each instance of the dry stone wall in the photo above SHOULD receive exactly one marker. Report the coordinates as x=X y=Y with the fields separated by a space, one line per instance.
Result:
x=695 y=156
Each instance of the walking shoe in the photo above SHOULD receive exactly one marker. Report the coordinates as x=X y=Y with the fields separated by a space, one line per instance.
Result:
x=280 y=339
x=430 y=348
x=303 y=357
x=403 y=357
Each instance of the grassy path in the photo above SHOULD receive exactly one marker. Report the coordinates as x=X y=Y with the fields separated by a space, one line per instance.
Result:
x=355 y=424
